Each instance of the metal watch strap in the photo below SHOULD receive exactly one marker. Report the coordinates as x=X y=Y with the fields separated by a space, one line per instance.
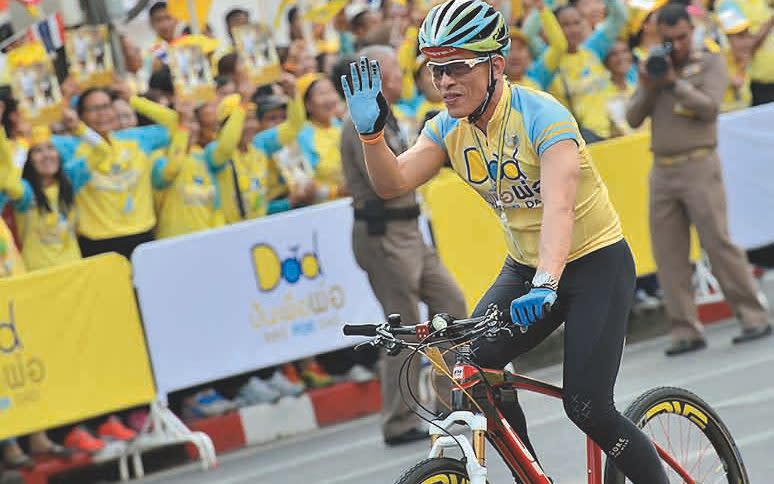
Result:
x=546 y=280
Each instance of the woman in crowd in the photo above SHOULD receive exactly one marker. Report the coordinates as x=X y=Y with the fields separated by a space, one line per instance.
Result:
x=320 y=137
x=115 y=206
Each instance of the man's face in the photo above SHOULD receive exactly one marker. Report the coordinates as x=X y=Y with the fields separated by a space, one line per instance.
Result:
x=164 y=24
x=681 y=36
x=462 y=92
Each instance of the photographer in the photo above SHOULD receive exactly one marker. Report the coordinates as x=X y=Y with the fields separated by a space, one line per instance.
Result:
x=681 y=88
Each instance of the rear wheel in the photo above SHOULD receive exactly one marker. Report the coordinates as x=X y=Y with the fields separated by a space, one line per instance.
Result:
x=691 y=432
x=436 y=471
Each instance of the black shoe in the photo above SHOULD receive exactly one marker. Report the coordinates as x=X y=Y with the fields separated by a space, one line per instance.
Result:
x=412 y=435
x=686 y=346
x=751 y=334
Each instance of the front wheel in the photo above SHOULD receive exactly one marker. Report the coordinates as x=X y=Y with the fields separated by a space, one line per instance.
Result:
x=691 y=432
x=436 y=471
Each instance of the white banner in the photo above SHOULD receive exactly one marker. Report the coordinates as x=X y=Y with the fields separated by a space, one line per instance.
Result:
x=746 y=149
x=251 y=295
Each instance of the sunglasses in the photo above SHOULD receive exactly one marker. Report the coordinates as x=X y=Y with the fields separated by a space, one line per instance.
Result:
x=455 y=68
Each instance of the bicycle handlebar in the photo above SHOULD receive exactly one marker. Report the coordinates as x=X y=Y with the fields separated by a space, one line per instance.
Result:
x=359 y=329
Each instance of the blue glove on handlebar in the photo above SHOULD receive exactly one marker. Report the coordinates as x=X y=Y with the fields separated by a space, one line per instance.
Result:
x=368 y=107
x=532 y=306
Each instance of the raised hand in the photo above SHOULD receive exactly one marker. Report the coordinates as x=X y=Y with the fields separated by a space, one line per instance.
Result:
x=368 y=107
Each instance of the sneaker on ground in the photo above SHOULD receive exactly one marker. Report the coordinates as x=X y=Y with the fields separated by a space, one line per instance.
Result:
x=82 y=440
x=114 y=429
x=315 y=377
x=285 y=387
x=360 y=374
x=257 y=391
x=209 y=403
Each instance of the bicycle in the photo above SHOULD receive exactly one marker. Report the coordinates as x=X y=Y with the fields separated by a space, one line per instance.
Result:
x=479 y=394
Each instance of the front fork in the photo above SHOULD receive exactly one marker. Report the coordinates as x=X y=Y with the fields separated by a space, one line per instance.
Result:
x=475 y=459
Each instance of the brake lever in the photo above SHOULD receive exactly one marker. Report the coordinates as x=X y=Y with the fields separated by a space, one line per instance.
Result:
x=360 y=347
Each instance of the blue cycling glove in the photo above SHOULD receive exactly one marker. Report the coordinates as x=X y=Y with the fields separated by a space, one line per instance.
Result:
x=368 y=107
x=532 y=306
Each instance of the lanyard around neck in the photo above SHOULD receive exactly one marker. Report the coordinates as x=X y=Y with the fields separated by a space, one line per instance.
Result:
x=500 y=146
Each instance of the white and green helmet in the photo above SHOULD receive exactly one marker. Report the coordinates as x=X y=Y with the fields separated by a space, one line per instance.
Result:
x=471 y=25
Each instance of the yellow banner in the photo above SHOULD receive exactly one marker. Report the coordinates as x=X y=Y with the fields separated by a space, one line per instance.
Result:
x=71 y=346
x=468 y=235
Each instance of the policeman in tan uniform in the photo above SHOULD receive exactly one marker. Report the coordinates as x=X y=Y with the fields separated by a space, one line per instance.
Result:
x=388 y=245
x=686 y=184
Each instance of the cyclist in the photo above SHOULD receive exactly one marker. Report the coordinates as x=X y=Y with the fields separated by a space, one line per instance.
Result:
x=522 y=152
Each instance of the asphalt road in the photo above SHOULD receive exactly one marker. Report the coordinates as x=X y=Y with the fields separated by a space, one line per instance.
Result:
x=737 y=381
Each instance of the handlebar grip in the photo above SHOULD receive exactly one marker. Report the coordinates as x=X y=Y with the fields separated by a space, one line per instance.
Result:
x=359 y=329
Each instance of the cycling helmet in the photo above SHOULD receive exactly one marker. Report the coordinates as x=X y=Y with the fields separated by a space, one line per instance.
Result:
x=471 y=25
x=466 y=25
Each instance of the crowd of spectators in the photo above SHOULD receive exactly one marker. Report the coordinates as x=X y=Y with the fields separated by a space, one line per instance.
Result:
x=132 y=162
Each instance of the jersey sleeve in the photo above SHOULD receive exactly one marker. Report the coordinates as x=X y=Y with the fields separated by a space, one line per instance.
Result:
x=438 y=127
x=150 y=138
x=547 y=122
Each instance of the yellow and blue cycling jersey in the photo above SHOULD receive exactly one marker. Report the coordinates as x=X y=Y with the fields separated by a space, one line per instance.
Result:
x=116 y=199
x=525 y=123
x=47 y=237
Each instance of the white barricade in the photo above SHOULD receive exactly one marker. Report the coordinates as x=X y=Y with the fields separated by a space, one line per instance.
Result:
x=251 y=295
x=746 y=148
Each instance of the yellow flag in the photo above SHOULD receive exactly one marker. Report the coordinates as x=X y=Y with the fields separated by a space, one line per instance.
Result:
x=179 y=10
x=324 y=12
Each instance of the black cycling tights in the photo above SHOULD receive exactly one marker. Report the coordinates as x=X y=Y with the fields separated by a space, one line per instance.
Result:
x=595 y=295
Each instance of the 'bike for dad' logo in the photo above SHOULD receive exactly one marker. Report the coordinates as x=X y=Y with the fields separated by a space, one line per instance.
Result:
x=272 y=266
x=20 y=374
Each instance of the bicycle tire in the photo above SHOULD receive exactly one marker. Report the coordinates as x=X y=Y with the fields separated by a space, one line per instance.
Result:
x=445 y=469
x=715 y=430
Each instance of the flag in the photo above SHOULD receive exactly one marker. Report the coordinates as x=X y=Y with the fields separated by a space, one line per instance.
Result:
x=49 y=32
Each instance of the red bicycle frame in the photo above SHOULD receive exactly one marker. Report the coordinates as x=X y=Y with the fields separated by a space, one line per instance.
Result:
x=488 y=396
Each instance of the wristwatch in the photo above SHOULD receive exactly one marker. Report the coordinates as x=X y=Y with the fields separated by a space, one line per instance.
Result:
x=544 y=279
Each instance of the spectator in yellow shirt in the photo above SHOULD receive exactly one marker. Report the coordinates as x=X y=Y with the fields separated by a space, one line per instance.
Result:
x=759 y=13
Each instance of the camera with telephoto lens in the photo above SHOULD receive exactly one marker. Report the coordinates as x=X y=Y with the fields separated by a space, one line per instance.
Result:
x=657 y=64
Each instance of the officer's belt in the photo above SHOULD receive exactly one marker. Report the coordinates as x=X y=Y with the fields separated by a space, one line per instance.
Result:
x=682 y=157
x=403 y=213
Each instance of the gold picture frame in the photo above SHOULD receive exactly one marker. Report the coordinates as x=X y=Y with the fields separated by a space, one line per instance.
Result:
x=255 y=47
x=90 y=56
x=191 y=73
x=36 y=88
